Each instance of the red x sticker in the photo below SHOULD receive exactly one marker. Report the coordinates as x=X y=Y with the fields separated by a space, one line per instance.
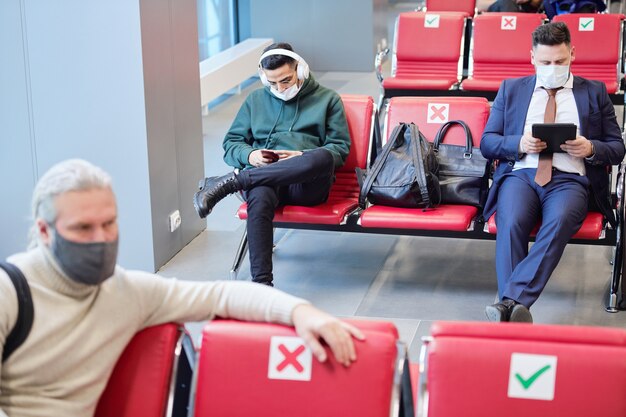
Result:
x=508 y=23
x=290 y=359
x=438 y=112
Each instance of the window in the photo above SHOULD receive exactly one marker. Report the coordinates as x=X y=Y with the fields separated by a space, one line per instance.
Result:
x=217 y=26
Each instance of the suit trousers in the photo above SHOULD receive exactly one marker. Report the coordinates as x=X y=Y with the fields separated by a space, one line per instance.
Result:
x=561 y=205
x=303 y=180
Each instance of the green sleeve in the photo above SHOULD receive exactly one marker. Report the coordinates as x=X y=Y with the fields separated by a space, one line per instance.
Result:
x=337 y=139
x=238 y=141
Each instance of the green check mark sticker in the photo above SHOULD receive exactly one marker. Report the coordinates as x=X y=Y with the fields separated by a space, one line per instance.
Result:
x=431 y=21
x=585 y=24
x=532 y=376
x=526 y=383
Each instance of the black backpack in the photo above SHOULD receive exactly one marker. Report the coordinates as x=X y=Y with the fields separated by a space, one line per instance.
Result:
x=25 y=314
x=403 y=175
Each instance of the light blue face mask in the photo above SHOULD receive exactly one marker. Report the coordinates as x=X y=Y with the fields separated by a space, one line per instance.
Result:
x=86 y=263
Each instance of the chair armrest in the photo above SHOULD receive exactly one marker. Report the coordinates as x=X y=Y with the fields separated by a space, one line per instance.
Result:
x=381 y=56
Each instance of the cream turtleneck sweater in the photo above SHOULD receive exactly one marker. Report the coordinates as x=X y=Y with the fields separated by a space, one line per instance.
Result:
x=79 y=331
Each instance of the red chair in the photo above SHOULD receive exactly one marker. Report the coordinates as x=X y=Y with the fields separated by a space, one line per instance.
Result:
x=429 y=113
x=597 y=39
x=466 y=6
x=521 y=370
x=264 y=370
x=593 y=227
x=501 y=45
x=427 y=53
x=344 y=194
x=152 y=377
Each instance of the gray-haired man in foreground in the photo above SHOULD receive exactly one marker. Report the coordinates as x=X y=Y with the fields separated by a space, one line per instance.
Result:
x=87 y=309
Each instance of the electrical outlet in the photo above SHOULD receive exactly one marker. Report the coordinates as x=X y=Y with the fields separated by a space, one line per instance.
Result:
x=175 y=220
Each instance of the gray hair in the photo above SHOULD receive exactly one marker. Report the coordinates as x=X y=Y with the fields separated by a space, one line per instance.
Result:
x=66 y=176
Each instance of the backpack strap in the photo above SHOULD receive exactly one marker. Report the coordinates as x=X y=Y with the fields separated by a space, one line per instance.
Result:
x=397 y=132
x=418 y=163
x=25 y=314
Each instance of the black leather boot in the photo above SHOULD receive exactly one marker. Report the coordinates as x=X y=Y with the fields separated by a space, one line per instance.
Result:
x=212 y=190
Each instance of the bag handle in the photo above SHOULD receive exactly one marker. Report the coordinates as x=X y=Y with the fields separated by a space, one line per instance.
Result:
x=441 y=133
x=25 y=312
x=418 y=163
x=380 y=161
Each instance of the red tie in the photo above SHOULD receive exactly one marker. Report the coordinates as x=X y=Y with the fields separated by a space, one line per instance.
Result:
x=544 y=168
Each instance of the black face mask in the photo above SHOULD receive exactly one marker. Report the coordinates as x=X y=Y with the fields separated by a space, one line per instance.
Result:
x=86 y=263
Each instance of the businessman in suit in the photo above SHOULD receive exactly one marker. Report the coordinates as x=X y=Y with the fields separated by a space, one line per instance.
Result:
x=529 y=185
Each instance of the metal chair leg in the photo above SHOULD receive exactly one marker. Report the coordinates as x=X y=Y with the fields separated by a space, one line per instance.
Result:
x=242 y=250
x=618 y=258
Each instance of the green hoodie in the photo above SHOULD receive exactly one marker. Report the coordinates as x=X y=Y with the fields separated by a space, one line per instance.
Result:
x=313 y=118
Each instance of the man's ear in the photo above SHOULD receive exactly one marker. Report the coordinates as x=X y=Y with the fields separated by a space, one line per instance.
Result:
x=573 y=54
x=532 y=57
x=43 y=229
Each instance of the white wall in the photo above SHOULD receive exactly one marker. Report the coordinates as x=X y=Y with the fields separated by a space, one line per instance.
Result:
x=97 y=80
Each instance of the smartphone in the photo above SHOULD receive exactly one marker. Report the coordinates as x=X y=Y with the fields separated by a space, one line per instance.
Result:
x=273 y=156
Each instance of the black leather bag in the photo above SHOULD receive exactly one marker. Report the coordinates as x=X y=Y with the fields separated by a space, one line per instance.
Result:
x=403 y=175
x=463 y=172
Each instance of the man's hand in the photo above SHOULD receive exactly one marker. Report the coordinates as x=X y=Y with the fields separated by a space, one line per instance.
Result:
x=284 y=154
x=313 y=324
x=580 y=147
x=530 y=144
x=256 y=158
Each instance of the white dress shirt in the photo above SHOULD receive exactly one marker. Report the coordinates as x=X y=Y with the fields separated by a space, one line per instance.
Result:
x=566 y=112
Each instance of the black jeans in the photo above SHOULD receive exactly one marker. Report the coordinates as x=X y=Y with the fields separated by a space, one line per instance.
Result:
x=301 y=180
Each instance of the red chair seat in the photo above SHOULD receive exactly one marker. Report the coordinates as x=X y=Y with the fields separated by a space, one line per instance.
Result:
x=426 y=57
x=598 y=51
x=140 y=382
x=592 y=228
x=421 y=83
x=331 y=212
x=491 y=368
x=482 y=84
x=444 y=217
x=501 y=45
x=466 y=6
x=234 y=365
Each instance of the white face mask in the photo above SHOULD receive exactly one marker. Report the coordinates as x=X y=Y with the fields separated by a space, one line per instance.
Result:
x=288 y=93
x=552 y=76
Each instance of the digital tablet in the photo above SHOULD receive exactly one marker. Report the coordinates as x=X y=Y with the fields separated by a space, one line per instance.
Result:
x=554 y=134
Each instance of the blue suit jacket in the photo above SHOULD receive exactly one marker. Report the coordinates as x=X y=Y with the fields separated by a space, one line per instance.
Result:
x=505 y=127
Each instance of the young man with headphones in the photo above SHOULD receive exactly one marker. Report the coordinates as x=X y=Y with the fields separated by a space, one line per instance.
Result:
x=286 y=141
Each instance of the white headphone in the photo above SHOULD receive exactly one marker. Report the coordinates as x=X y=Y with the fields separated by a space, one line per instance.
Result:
x=302 y=69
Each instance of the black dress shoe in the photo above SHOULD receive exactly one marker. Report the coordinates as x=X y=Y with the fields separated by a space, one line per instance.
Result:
x=508 y=310
x=212 y=190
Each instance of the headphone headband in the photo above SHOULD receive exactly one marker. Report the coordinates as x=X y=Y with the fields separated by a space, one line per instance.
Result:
x=302 y=68
x=280 y=51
